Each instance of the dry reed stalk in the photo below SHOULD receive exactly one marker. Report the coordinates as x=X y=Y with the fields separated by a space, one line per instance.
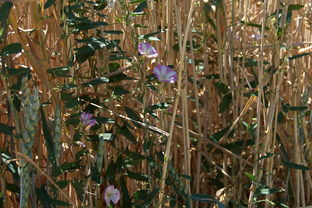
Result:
x=33 y=54
x=179 y=87
x=208 y=115
x=185 y=117
x=259 y=105
x=199 y=122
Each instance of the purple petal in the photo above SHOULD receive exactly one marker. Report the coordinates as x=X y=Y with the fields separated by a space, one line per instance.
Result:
x=146 y=49
x=107 y=200
x=91 y=122
x=157 y=70
x=109 y=189
x=86 y=119
x=107 y=194
x=165 y=74
x=115 y=196
x=83 y=115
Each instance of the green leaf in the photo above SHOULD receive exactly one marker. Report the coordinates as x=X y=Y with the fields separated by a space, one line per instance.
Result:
x=81 y=153
x=66 y=96
x=296 y=166
x=225 y=102
x=48 y=3
x=95 y=174
x=213 y=76
x=62 y=184
x=251 y=176
x=5 y=11
x=65 y=167
x=125 y=193
x=1 y=33
x=207 y=198
x=6 y=129
x=133 y=115
x=18 y=71
x=59 y=71
x=237 y=147
x=88 y=25
x=140 y=195
x=48 y=139
x=103 y=120
x=45 y=199
x=79 y=188
x=127 y=133
x=117 y=56
x=84 y=53
x=267 y=155
x=106 y=136
x=136 y=1
x=152 y=195
x=60 y=203
x=78 y=135
x=298 y=56
x=119 y=91
x=222 y=88
x=115 y=32
x=145 y=196
x=98 y=43
x=266 y=191
x=72 y=121
x=251 y=24
x=141 y=7
x=119 y=163
x=159 y=106
x=12 y=188
x=120 y=77
x=286 y=107
x=11 y=165
x=203 y=198
x=17 y=102
x=219 y=134
x=293 y=7
x=72 y=102
x=11 y=49
x=68 y=86
x=137 y=176
x=111 y=171
x=95 y=82
x=134 y=155
x=151 y=36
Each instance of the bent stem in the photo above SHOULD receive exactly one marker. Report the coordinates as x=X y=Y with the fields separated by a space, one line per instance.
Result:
x=181 y=68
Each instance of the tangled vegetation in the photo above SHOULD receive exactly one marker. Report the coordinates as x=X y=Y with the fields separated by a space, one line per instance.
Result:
x=155 y=103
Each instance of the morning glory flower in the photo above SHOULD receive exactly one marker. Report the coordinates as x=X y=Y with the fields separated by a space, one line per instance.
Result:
x=165 y=74
x=111 y=194
x=146 y=49
x=86 y=119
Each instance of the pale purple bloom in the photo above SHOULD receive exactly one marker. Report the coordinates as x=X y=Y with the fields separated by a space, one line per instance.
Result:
x=165 y=74
x=86 y=119
x=111 y=194
x=255 y=37
x=146 y=49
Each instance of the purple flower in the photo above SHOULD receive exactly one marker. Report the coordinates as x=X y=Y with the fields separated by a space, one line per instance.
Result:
x=111 y=194
x=146 y=49
x=86 y=119
x=255 y=37
x=165 y=74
